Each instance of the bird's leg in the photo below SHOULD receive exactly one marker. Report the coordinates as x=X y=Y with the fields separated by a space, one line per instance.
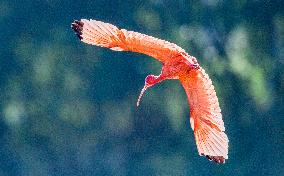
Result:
x=150 y=80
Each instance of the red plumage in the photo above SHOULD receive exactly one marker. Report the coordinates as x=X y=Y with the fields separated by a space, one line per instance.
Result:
x=205 y=113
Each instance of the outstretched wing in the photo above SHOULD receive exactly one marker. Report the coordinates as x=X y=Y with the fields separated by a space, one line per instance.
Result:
x=205 y=115
x=107 y=35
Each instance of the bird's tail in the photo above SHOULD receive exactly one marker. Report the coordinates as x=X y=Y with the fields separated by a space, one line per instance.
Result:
x=99 y=33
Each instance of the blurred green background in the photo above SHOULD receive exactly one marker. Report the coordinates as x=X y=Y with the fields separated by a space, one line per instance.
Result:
x=68 y=108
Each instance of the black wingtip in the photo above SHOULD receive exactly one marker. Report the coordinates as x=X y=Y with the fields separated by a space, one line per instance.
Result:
x=217 y=159
x=77 y=26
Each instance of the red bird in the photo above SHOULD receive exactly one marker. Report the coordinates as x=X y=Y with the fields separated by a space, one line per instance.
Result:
x=205 y=113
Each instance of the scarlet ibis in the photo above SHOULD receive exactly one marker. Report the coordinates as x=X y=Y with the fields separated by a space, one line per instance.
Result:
x=205 y=113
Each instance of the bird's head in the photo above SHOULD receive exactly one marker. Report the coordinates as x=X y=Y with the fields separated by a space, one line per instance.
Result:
x=150 y=80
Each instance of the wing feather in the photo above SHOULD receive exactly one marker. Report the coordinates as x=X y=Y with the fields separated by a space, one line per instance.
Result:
x=107 y=35
x=205 y=114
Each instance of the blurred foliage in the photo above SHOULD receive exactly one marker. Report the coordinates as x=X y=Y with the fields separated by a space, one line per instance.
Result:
x=69 y=108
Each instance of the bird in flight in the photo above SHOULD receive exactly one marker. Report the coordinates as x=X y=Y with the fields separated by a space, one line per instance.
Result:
x=205 y=113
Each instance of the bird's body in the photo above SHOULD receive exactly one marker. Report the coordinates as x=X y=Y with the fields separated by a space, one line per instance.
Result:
x=205 y=113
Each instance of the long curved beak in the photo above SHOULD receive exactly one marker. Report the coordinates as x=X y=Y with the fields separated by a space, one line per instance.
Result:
x=141 y=94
